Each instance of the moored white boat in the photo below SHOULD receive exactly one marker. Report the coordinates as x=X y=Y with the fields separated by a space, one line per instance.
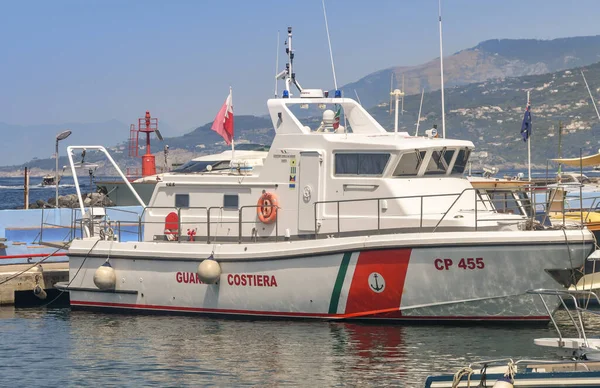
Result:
x=338 y=222
x=577 y=366
x=507 y=373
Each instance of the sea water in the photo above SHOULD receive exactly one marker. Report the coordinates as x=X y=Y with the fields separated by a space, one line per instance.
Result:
x=59 y=347
x=12 y=192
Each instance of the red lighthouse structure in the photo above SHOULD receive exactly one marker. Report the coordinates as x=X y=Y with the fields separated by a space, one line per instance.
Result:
x=147 y=125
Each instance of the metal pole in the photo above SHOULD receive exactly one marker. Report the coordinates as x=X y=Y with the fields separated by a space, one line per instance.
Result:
x=378 y=217
x=338 y=218
x=396 y=115
x=56 y=175
x=442 y=72
x=420 y=106
x=240 y=225
x=476 y=223
x=529 y=146
x=581 y=186
x=421 y=218
x=26 y=191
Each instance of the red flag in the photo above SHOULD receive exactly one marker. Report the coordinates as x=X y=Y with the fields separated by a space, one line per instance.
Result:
x=223 y=124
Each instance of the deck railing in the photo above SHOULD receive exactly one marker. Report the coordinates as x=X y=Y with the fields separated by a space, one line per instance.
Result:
x=204 y=218
x=526 y=203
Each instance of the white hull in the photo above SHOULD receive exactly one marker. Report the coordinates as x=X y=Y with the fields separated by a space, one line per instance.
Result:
x=398 y=277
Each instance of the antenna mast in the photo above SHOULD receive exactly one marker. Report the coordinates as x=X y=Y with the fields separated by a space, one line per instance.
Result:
x=357 y=98
x=590 y=92
x=289 y=64
x=391 y=89
x=330 y=51
x=402 y=111
x=288 y=74
x=419 y=118
x=442 y=71
x=277 y=65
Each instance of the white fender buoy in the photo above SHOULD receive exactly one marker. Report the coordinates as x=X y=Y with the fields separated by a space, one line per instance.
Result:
x=39 y=292
x=105 y=277
x=209 y=270
x=504 y=382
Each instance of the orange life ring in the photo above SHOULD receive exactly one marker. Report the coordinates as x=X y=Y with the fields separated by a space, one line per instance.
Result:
x=267 y=208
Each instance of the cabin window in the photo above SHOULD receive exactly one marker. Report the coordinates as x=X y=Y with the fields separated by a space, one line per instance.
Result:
x=461 y=161
x=182 y=200
x=438 y=164
x=360 y=164
x=448 y=154
x=410 y=163
x=505 y=202
x=231 y=201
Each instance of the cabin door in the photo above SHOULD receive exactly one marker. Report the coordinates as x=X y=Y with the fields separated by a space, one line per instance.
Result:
x=309 y=172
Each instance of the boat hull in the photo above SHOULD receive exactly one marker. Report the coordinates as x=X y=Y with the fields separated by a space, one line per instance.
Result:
x=381 y=278
x=532 y=380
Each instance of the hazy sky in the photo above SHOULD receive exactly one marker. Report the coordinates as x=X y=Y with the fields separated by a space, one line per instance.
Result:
x=89 y=61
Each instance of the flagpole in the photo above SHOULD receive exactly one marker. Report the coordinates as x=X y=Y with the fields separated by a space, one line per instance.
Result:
x=529 y=145
x=442 y=71
x=232 y=145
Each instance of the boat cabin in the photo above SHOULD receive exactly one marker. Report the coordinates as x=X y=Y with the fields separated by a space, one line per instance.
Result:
x=318 y=180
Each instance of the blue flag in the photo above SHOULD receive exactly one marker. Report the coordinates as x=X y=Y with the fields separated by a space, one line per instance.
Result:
x=526 y=126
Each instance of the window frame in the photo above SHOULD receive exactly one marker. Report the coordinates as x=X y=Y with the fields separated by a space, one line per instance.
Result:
x=358 y=154
x=467 y=150
x=441 y=160
x=187 y=200
x=231 y=207
x=420 y=159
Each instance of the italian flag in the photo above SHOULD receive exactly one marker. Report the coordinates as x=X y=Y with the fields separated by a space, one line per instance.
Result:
x=336 y=118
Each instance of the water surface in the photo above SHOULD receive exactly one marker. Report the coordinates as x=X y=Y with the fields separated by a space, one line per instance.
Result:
x=56 y=346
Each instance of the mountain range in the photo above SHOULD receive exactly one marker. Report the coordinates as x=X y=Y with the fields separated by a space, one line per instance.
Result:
x=491 y=59
x=485 y=100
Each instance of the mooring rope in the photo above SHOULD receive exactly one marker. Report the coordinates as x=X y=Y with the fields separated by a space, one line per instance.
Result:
x=466 y=371
x=35 y=264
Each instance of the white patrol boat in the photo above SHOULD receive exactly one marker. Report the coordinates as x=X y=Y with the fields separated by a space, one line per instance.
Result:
x=342 y=220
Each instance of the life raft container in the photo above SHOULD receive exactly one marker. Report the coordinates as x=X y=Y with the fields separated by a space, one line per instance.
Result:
x=267 y=208
x=172 y=226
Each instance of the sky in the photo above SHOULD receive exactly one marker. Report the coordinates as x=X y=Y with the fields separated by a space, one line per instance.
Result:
x=91 y=61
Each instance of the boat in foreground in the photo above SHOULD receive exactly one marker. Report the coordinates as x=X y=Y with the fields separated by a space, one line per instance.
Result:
x=340 y=220
x=507 y=373
x=578 y=365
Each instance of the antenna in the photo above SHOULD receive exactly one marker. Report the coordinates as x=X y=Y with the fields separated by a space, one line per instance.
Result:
x=442 y=71
x=288 y=73
x=358 y=98
x=397 y=93
x=590 y=92
x=391 y=89
x=419 y=118
x=277 y=65
x=402 y=111
x=288 y=66
x=330 y=51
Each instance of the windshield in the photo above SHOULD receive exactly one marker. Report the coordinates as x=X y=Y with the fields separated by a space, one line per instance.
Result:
x=201 y=166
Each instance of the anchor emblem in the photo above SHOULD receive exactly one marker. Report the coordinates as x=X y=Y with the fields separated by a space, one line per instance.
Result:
x=376 y=282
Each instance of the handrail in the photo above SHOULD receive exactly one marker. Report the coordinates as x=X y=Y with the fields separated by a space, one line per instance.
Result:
x=484 y=199
x=240 y=222
x=571 y=294
x=378 y=200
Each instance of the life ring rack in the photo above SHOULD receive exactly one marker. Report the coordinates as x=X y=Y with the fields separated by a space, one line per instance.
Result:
x=266 y=208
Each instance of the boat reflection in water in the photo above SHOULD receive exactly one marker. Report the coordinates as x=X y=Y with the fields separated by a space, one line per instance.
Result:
x=185 y=350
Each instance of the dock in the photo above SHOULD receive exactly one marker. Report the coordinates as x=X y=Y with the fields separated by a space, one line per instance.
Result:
x=32 y=284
